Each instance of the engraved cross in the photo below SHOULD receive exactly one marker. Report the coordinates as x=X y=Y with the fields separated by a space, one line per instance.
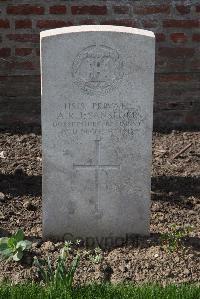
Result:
x=97 y=167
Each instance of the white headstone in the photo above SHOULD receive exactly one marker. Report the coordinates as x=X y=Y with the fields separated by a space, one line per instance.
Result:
x=97 y=108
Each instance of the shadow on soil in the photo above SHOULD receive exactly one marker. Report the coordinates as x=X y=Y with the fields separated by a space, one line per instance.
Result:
x=154 y=239
x=174 y=188
x=166 y=188
x=21 y=129
x=18 y=185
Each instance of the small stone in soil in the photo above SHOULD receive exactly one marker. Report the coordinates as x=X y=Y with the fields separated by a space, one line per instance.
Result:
x=2 y=155
x=2 y=216
x=2 y=196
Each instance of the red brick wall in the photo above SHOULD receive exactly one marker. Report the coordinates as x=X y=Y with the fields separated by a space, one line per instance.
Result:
x=175 y=23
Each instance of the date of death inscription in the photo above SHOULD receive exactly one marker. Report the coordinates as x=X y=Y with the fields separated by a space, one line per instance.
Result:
x=80 y=119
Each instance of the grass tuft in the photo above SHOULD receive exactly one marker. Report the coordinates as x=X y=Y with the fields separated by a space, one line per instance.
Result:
x=94 y=291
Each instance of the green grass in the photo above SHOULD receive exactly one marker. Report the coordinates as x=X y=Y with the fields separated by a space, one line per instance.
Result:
x=106 y=291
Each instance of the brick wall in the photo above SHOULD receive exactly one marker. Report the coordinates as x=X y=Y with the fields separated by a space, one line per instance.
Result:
x=175 y=23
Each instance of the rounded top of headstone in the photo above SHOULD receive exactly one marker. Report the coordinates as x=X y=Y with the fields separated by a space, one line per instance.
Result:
x=96 y=28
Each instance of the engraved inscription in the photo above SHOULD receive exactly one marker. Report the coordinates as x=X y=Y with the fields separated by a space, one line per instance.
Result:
x=97 y=119
x=97 y=69
x=97 y=167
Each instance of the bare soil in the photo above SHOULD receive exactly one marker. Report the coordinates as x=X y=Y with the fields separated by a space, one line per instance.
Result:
x=175 y=200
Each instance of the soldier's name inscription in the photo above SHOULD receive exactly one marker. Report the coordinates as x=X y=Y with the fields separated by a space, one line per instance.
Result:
x=97 y=118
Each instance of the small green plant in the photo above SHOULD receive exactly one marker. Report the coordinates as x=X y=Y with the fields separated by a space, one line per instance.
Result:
x=13 y=247
x=97 y=257
x=61 y=275
x=173 y=239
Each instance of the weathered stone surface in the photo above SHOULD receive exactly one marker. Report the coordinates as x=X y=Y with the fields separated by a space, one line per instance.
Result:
x=97 y=100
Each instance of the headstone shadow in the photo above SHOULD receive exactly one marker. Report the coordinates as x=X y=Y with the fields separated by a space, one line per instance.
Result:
x=174 y=188
x=16 y=185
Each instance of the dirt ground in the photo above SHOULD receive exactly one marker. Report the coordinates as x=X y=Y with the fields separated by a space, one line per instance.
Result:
x=175 y=200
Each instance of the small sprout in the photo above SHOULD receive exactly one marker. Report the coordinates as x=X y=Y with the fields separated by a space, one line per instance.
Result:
x=14 y=246
x=68 y=245
x=173 y=239
x=97 y=257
